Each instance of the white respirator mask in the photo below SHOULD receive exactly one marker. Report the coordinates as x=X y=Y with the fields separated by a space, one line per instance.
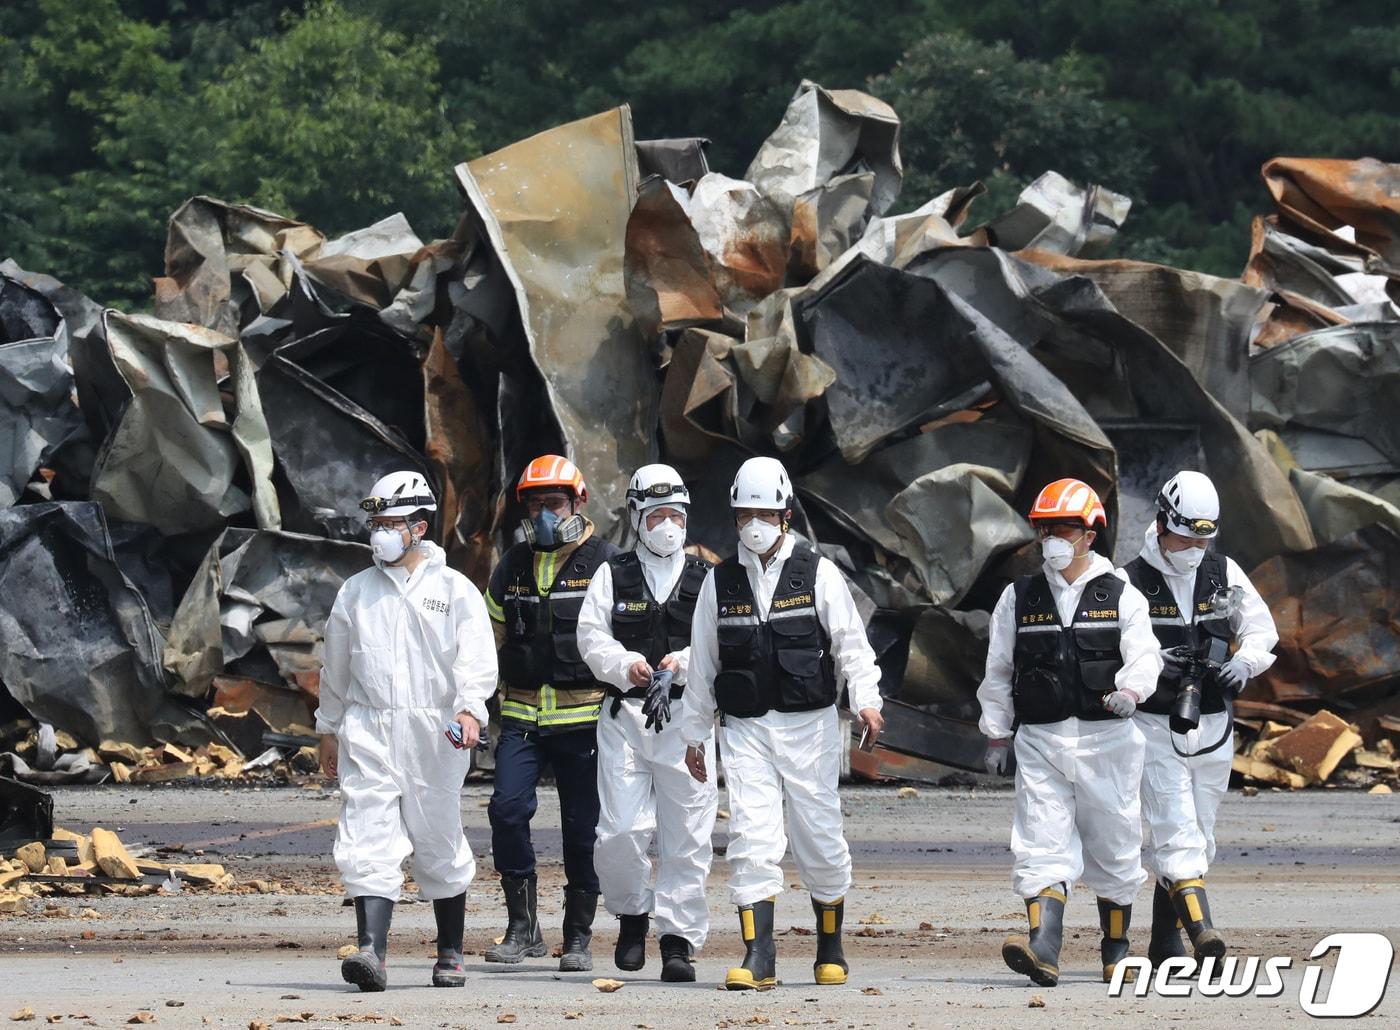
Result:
x=665 y=539
x=387 y=545
x=1187 y=560
x=759 y=536
x=1057 y=552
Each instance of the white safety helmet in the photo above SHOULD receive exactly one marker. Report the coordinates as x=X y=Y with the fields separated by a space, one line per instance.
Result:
x=1190 y=506
x=399 y=493
x=761 y=483
x=655 y=486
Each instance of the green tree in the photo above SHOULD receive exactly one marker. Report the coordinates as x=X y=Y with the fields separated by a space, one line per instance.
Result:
x=972 y=111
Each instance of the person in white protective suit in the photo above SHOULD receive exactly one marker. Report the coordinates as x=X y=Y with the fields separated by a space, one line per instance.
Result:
x=775 y=635
x=634 y=634
x=409 y=663
x=1070 y=657
x=1202 y=607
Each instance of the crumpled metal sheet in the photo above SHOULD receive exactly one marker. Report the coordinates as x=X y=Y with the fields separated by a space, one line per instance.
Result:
x=827 y=220
x=224 y=263
x=1094 y=360
x=1342 y=380
x=1204 y=320
x=328 y=447
x=669 y=281
x=177 y=460
x=81 y=651
x=1336 y=510
x=681 y=161
x=263 y=594
x=1325 y=649
x=26 y=814
x=1055 y=215
x=953 y=523
x=1320 y=196
x=37 y=413
x=555 y=209
x=825 y=134
x=370 y=265
x=745 y=237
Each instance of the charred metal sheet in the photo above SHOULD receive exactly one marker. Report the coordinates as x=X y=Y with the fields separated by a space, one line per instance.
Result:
x=669 y=282
x=1149 y=453
x=1341 y=380
x=826 y=221
x=1325 y=649
x=1336 y=510
x=328 y=446
x=825 y=134
x=268 y=592
x=921 y=734
x=81 y=650
x=1204 y=320
x=370 y=265
x=898 y=350
x=1320 y=196
x=680 y=161
x=745 y=237
x=223 y=263
x=555 y=209
x=177 y=459
x=1053 y=214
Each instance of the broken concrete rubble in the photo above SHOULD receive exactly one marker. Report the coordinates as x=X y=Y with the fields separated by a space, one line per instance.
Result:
x=620 y=302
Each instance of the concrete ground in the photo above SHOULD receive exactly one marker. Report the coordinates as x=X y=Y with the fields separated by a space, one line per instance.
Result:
x=925 y=921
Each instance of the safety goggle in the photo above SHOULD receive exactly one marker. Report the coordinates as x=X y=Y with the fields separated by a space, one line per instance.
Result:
x=378 y=504
x=657 y=490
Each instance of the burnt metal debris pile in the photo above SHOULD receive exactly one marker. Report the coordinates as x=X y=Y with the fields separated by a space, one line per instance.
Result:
x=180 y=489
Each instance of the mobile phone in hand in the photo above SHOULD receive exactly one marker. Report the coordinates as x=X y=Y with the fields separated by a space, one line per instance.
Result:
x=866 y=744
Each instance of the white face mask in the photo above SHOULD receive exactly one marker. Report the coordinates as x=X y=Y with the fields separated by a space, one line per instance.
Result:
x=666 y=539
x=759 y=536
x=387 y=545
x=1185 y=560
x=1058 y=552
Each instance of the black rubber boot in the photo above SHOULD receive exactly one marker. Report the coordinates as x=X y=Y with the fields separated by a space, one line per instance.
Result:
x=1192 y=908
x=1166 y=929
x=830 y=967
x=676 y=964
x=366 y=968
x=631 y=951
x=760 y=969
x=1038 y=956
x=579 y=909
x=522 y=939
x=1113 y=949
x=450 y=914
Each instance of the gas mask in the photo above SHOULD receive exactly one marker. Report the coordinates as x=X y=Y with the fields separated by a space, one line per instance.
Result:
x=548 y=532
x=759 y=536
x=1185 y=561
x=1058 y=552
x=665 y=539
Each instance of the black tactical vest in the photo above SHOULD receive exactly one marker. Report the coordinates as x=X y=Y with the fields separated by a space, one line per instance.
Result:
x=640 y=623
x=541 y=645
x=1208 y=636
x=783 y=663
x=1065 y=671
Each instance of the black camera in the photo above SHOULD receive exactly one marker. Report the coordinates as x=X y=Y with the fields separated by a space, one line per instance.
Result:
x=1197 y=664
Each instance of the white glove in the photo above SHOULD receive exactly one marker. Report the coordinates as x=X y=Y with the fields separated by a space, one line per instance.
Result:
x=1232 y=677
x=995 y=759
x=1121 y=703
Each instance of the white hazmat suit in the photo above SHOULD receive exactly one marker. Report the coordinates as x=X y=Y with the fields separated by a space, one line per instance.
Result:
x=783 y=758
x=1077 y=802
x=1181 y=796
x=644 y=788
x=403 y=654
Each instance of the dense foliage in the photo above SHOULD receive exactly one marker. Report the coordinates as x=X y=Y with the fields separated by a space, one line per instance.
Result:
x=112 y=112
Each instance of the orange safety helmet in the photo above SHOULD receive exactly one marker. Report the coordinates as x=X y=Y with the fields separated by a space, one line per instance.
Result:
x=551 y=470
x=1069 y=500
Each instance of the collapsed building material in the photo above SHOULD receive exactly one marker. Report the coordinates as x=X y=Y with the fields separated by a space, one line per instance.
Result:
x=1314 y=749
x=26 y=814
